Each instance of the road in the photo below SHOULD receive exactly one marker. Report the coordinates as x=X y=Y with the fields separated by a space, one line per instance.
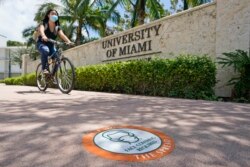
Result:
x=46 y=129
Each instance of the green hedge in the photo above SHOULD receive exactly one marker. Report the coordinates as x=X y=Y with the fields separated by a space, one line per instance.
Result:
x=9 y=81
x=29 y=80
x=185 y=77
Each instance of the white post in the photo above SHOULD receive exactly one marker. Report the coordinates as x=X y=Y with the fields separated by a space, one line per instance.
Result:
x=25 y=58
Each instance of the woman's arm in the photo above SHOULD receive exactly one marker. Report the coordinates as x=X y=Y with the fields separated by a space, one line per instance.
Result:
x=41 y=31
x=63 y=36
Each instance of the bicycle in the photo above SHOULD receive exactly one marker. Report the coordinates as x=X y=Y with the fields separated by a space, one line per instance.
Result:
x=61 y=71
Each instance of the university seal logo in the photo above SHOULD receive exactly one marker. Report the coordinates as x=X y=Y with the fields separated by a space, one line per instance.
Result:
x=128 y=143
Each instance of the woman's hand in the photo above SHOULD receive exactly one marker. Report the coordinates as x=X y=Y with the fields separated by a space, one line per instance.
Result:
x=69 y=43
x=44 y=38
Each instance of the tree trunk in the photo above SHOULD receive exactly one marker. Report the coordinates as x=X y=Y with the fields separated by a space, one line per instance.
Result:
x=141 y=12
x=185 y=7
x=79 y=33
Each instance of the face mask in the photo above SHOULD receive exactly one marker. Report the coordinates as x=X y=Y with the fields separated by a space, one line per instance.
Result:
x=53 y=18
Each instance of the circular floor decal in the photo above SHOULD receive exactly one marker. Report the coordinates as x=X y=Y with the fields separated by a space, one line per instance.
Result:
x=129 y=143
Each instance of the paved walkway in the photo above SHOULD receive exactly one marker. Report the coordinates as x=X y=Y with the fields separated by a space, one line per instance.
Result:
x=38 y=129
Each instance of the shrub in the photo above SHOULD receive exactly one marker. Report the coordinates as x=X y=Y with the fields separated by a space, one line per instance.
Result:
x=240 y=60
x=192 y=77
x=9 y=81
x=30 y=79
x=18 y=80
x=14 y=81
x=186 y=77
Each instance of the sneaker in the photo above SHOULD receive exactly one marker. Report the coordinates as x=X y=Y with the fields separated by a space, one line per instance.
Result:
x=45 y=71
x=54 y=80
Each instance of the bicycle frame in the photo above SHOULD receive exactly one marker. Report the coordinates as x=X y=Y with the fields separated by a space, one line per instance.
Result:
x=64 y=78
x=58 y=57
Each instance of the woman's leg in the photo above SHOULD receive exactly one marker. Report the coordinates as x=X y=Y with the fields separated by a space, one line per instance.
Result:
x=44 y=51
x=52 y=50
x=54 y=55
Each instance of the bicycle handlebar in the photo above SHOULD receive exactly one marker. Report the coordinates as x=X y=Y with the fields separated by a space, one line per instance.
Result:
x=59 y=43
x=54 y=42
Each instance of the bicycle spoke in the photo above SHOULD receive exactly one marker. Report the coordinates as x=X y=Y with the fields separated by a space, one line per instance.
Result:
x=67 y=84
x=40 y=79
x=66 y=81
x=65 y=76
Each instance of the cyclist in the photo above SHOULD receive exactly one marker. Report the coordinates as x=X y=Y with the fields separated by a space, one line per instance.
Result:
x=49 y=29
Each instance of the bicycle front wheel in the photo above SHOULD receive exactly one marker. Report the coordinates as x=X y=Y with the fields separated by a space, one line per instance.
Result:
x=41 y=78
x=65 y=76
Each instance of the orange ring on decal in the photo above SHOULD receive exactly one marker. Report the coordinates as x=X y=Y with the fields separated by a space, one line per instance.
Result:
x=160 y=144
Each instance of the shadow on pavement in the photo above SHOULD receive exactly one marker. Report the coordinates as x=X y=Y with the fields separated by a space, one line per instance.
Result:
x=35 y=92
x=49 y=133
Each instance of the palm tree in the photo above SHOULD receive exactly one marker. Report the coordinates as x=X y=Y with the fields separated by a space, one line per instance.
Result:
x=156 y=10
x=78 y=16
x=43 y=9
x=185 y=4
x=82 y=13
x=193 y=3
x=107 y=8
x=142 y=9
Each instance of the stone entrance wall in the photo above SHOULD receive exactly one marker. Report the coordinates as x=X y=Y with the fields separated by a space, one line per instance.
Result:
x=232 y=32
x=221 y=26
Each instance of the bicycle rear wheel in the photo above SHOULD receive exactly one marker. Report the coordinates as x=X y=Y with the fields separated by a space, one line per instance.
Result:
x=65 y=76
x=40 y=78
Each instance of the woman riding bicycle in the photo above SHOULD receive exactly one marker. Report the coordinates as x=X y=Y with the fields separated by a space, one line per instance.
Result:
x=49 y=29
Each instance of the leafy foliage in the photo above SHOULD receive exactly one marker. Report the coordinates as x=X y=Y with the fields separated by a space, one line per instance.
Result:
x=43 y=8
x=240 y=61
x=29 y=80
x=14 y=43
x=186 y=77
x=142 y=9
